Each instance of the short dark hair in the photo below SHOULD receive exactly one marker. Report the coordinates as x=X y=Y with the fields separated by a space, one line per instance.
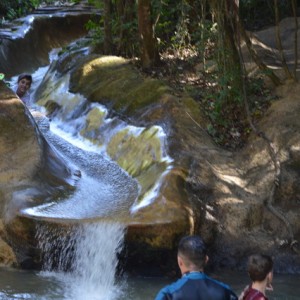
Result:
x=26 y=76
x=193 y=249
x=259 y=265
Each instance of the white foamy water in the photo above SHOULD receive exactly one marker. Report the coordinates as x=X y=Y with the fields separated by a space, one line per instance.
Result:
x=84 y=258
x=92 y=199
x=68 y=133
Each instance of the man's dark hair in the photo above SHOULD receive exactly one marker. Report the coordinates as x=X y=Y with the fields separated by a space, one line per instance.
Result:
x=26 y=76
x=259 y=265
x=193 y=249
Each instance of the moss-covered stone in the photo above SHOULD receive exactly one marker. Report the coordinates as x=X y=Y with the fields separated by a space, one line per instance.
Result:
x=94 y=121
x=113 y=81
x=135 y=153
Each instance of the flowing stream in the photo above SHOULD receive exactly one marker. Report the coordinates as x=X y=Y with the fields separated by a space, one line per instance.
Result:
x=80 y=256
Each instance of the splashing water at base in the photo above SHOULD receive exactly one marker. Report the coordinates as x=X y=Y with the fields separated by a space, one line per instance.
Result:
x=89 y=252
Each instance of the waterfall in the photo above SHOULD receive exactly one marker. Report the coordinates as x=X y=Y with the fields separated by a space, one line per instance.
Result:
x=122 y=166
x=84 y=257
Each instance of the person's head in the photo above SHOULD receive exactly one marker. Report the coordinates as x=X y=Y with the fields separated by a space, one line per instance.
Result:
x=192 y=254
x=24 y=84
x=260 y=267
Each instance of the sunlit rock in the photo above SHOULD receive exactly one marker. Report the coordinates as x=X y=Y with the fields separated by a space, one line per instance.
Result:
x=92 y=128
x=30 y=169
x=135 y=152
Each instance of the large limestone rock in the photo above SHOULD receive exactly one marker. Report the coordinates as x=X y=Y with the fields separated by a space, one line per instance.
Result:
x=30 y=169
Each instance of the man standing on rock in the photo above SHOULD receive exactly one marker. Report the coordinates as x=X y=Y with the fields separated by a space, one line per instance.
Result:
x=194 y=283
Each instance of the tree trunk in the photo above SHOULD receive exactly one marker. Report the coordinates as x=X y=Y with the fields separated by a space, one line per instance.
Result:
x=261 y=65
x=242 y=35
x=228 y=58
x=120 y=16
x=294 y=9
x=126 y=12
x=278 y=41
x=108 y=43
x=149 y=51
x=202 y=24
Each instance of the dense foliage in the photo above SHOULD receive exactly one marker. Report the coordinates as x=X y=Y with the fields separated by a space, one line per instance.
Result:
x=199 y=33
x=259 y=13
x=170 y=38
x=12 y=9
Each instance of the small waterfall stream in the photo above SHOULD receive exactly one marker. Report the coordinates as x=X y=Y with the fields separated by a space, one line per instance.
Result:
x=83 y=256
x=89 y=253
x=82 y=251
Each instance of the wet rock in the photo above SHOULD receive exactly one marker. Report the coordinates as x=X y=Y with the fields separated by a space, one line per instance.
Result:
x=30 y=170
x=7 y=255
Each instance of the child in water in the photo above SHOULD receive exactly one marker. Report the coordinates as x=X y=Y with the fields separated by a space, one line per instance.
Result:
x=260 y=270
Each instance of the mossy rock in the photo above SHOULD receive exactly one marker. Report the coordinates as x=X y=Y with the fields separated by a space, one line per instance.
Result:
x=114 y=82
x=135 y=153
x=92 y=129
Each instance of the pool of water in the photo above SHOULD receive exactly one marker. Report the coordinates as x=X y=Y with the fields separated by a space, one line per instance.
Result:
x=20 y=284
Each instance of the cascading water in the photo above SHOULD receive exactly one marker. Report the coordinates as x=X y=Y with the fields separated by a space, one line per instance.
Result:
x=82 y=250
x=84 y=258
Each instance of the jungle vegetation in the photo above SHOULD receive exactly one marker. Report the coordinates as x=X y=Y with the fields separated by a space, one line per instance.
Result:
x=167 y=39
